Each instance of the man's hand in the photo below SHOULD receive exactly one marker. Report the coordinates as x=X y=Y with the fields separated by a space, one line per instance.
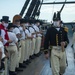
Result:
x=63 y=43
x=9 y=41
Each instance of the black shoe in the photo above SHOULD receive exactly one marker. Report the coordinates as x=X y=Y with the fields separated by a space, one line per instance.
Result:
x=21 y=65
x=32 y=57
x=12 y=73
x=19 y=69
x=37 y=55
x=28 y=61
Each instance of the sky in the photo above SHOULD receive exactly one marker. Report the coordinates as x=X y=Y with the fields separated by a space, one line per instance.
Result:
x=13 y=7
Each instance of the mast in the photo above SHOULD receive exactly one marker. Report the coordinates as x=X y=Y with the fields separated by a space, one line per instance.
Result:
x=30 y=9
x=24 y=7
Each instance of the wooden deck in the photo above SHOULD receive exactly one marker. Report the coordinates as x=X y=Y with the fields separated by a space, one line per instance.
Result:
x=40 y=65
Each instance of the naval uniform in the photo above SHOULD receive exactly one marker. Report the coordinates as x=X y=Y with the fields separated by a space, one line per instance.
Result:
x=22 y=44
x=38 y=39
x=28 y=44
x=33 y=34
x=3 y=55
x=5 y=37
x=53 y=38
x=12 y=49
x=17 y=31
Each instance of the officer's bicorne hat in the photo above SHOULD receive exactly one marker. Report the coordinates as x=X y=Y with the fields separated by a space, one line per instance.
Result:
x=5 y=18
x=56 y=17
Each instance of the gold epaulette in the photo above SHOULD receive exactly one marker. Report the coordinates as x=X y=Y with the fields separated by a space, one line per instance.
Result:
x=66 y=29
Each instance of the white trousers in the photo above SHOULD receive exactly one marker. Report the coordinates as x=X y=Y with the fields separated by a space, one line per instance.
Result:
x=18 y=57
x=58 y=61
x=33 y=46
x=37 y=45
x=22 y=51
x=12 y=57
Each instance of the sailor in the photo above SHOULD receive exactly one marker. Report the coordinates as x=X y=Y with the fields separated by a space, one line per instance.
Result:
x=28 y=42
x=2 y=56
x=56 y=38
x=23 y=51
x=3 y=26
x=16 y=30
x=4 y=23
x=33 y=34
x=38 y=37
x=12 y=49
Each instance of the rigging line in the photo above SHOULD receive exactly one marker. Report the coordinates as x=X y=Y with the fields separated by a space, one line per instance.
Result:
x=53 y=9
x=62 y=6
x=40 y=6
x=54 y=0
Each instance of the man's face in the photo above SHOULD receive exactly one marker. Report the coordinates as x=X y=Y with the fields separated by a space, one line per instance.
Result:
x=11 y=29
x=38 y=23
x=18 y=23
x=57 y=23
x=5 y=24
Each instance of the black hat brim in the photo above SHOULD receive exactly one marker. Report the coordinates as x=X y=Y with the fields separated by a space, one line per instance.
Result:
x=4 y=20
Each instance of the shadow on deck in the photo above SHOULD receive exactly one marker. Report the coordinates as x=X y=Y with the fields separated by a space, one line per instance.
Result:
x=40 y=66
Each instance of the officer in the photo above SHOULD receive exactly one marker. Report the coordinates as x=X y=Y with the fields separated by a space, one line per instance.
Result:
x=56 y=37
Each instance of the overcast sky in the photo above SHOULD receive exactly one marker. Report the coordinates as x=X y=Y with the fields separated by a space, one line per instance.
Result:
x=12 y=7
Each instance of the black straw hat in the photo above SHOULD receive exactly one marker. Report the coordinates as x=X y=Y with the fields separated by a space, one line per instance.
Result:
x=5 y=18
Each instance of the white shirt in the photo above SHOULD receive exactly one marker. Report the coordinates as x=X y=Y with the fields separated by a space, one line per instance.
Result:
x=3 y=36
x=27 y=33
x=22 y=33
x=2 y=48
x=16 y=30
x=57 y=29
x=37 y=29
x=13 y=37
x=32 y=31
